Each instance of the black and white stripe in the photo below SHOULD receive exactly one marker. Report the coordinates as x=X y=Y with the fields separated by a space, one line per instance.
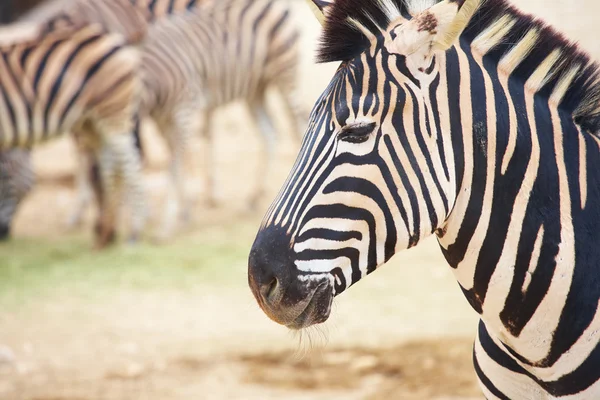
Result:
x=488 y=142
x=130 y=18
x=75 y=79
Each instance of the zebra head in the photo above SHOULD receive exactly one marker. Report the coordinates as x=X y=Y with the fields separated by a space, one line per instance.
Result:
x=16 y=180
x=374 y=174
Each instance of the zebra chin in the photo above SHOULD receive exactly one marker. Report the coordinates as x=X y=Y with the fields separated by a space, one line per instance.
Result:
x=287 y=295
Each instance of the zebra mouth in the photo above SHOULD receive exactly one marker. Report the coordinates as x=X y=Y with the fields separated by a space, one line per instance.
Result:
x=317 y=309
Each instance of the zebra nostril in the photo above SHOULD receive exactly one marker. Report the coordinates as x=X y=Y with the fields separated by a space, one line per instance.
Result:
x=271 y=289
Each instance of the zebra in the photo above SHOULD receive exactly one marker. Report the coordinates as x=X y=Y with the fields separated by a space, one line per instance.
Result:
x=114 y=15
x=129 y=18
x=16 y=173
x=80 y=79
x=198 y=61
x=16 y=180
x=189 y=71
x=471 y=121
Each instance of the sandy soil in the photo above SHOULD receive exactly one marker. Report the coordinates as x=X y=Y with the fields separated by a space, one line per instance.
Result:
x=404 y=333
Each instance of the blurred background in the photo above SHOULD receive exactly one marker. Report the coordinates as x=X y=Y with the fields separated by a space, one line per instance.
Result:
x=176 y=320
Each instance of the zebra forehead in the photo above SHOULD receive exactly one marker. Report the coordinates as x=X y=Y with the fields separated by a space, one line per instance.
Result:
x=351 y=24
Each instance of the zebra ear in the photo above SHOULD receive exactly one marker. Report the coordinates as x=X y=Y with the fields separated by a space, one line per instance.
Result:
x=449 y=32
x=437 y=28
x=319 y=8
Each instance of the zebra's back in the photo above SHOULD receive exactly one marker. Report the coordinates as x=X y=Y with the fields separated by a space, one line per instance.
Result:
x=115 y=16
x=129 y=18
x=221 y=52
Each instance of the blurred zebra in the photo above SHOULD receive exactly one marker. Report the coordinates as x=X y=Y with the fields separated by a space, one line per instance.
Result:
x=220 y=52
x=16 y=173
x=129 y=18
x=196 y=61
x=189 y=72
x=16 y=180
x=466 y=120
x=76 y=79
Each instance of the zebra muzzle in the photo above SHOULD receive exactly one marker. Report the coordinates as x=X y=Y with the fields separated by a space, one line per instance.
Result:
x=288 y=296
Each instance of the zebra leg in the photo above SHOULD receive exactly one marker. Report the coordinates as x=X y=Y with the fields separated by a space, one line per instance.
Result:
x=120 y=172
x=130 y=168
x=82 y=183
x=293 y=108
x=178 y=135
x=208 y=160
x=268 y=135
x=105 y=227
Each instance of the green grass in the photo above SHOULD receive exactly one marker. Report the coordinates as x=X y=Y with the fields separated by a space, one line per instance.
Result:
x=34 y=268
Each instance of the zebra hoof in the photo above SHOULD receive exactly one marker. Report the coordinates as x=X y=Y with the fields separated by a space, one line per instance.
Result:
x=104 y=237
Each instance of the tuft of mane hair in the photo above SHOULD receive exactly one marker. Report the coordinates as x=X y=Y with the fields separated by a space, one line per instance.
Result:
x=351 y=26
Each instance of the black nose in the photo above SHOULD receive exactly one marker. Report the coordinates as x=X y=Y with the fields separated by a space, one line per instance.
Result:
x=4 y=231
x=271 y=264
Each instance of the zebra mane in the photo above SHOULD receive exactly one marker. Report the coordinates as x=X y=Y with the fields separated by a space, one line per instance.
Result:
x=533 y=51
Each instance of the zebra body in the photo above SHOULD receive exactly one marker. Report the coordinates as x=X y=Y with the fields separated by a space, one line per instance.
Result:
x=75 y=79
x=16 y=180
x=198 y=61
x=480 y=132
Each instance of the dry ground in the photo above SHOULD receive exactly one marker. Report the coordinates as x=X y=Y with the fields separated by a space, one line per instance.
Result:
x=177 y=321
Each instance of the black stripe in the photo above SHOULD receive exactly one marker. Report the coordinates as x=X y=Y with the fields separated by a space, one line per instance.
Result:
x=42 y=64
x=90 y=73
x=368 y=189
x=485 y=381
x=343 y=211
x=410 y=192
x=56 y=86
x=433 y=88
x=428 y=160
x=329 y=234
x=456 y=251
x=9 y=106
x=520 y=307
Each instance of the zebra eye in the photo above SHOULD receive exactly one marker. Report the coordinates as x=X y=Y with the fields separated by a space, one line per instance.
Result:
x=357 y=133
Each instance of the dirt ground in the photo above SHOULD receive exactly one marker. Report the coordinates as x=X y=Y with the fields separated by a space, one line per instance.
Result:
x=403 y=333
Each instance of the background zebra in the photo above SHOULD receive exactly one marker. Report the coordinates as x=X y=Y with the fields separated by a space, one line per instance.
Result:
x=16 y=180
x=76 y=79
x=480 y=132
x=130 y=18
x=208 y=57
x=16 y=173
x=189 y=71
